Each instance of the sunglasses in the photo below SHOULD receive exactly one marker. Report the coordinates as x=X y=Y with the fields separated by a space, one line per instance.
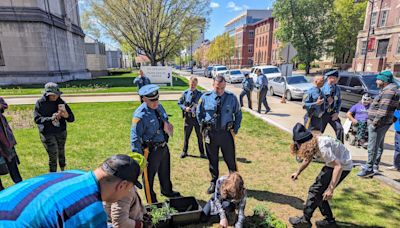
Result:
x=153 y=100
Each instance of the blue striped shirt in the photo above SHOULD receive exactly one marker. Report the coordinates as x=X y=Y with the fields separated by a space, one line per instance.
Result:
x=66 y=199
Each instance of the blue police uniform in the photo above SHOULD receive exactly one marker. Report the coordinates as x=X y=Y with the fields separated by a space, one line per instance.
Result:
x=262 y=85
x=140 y=82
x=191 y=99
x=148 y=138
x=332 y=91
x=313 y=117
x=219 y=116
x=248 y=86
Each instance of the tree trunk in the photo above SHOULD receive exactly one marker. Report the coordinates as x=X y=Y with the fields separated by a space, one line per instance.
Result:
x=308 y=67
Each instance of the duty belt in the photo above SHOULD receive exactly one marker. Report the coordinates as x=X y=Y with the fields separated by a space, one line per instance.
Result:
x=158 y=144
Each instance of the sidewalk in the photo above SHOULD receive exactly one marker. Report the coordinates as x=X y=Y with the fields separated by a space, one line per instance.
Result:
x=285 y=116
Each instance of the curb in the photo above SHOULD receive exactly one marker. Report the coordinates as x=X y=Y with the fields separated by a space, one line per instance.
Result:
x=383 y=179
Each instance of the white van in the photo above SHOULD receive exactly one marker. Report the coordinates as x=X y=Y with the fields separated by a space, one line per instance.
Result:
x=269 y=71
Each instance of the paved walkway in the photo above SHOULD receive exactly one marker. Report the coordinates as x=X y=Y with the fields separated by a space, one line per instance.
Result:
x=285 y=116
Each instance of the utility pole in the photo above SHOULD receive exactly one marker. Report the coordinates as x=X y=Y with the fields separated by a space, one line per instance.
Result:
x=369 y=31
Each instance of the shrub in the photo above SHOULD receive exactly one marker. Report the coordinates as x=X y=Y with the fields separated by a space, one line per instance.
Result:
x=266 y=218
x=301 y=66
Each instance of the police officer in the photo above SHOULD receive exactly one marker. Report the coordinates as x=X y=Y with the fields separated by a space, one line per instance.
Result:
x=248 y=86
x=188 y=104
x=220 y=116
x=333 y=101
x=262 y=85
x=141 y=81
x=313 y=102
x=149 y=136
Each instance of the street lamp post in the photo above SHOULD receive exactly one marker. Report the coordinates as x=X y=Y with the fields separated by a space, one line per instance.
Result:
x=369 y=31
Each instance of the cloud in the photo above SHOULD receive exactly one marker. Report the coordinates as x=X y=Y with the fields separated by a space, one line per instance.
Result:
x=231 y=5
x=214 y=5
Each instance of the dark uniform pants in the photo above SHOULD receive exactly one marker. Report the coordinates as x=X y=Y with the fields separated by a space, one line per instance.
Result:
x=336 y=125
x=55 y=147
x=262 y=98
x=248 y=94
x=313 y=124
x=220 y=139
x=159 y=162
x=315 y=192
x=190 y=123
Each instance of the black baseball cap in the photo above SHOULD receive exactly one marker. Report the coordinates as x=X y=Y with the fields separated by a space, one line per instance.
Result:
x=123 y=167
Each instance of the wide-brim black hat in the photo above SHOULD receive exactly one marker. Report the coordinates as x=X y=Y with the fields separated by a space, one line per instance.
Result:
x=301 y=134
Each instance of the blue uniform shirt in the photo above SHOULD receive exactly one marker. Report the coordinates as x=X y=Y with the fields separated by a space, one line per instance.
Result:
x=66 y=199
x=248 y=84
x=310 y=99
x=187 y=97
x=397 y=123
x=230 y=109
x=146 y=127
x=332 y=90
x=141 y=81
x=262 y=82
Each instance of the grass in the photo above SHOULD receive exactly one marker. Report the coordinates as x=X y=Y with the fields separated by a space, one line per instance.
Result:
x=102 y=129
x=106 y=84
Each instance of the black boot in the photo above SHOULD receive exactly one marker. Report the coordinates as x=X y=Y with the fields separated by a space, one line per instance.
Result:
x=172 y=194
x=211 y=189
x=299 y=222
x=331 y=223
x=184 y=154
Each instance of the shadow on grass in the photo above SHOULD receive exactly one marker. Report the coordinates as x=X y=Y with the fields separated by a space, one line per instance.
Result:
x=243 y=160
x=278 y=114
x=348 y=224
x=292 y=201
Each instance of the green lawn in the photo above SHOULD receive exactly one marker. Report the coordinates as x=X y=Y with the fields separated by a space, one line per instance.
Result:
x=102 y=129
x=106 y=84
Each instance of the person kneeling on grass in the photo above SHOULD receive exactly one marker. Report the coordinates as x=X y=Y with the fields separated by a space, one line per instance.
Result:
x=229 y=195
x=358 y=114
x=338 y=165
x=129 y=211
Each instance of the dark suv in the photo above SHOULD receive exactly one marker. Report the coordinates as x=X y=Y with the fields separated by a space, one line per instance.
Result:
x=354 y=85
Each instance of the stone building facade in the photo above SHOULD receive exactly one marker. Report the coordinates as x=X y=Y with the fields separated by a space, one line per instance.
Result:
x=41 y=41
x=96 y=57
x=382 y=49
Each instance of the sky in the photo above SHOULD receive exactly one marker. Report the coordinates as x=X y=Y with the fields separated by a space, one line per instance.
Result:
x=222 y=12
x=225 y=10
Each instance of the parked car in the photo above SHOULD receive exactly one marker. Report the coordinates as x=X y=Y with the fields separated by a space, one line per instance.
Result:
x=296 y=86
x=207 y=72
x=269 y=71
x=218 y=70
x=233 y=76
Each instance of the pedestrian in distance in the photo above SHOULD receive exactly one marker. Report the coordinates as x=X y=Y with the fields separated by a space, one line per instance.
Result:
x=71 y=198
x=140 y=81
x=220 y=116
x=262 y=86
x=9 y=160
x=358 y=115
x=230 y=195
x=51 y=115
x=150 y=131
x=396 y=156
x=247 y=89
x=380 y=118
x=338 y=164
x=333 y=103
x=188 y=104
x=313 y=103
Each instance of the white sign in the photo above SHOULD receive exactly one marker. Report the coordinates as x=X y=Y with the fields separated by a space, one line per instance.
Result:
x=158 y=74
x=288 y=52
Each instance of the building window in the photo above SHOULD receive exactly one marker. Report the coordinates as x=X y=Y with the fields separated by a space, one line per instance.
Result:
x=397 y=51
x=398 y=17
x=2 y=62
x=363 y=47
x=373 y=19
x=382 y=48
x=251 y=34
x=250 y=48
x=384 y=16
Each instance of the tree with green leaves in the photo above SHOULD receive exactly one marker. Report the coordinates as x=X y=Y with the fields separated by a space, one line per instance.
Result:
x=221 y=50
x=307 y=24
x=349 y=20
x=157 y=28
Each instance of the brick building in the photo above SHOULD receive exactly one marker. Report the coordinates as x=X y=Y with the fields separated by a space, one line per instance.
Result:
x=264 y=34
x=383 y=47
x=242 y=29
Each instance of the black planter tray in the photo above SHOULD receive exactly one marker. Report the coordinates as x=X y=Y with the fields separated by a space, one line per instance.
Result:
x=163 y=223
x=189 y=210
